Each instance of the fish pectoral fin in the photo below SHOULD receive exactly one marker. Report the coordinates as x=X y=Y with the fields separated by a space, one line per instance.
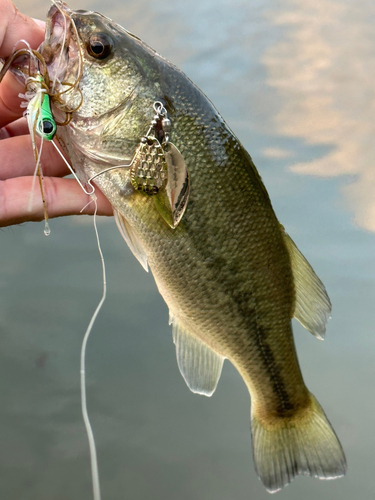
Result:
x=199 y=364
x=131 y=239
x=312 y=305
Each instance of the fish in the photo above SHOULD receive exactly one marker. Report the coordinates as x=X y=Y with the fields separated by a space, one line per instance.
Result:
x=193 y=209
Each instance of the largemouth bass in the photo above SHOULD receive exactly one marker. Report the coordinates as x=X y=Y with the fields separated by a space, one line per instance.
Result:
x=204 y=225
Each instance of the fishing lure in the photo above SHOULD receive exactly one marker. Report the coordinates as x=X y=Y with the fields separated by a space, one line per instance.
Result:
x=159 y=169
x=46 y=125
x=37 y=98
x=40 y=121
x=38 y=112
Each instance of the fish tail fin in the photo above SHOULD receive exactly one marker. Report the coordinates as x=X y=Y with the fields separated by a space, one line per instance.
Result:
x=303 y=444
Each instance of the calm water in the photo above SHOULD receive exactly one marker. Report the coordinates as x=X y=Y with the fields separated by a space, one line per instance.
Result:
x=295 y=81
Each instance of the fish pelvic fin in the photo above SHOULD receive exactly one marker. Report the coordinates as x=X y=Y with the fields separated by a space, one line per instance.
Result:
x=312 y=305
x=131 y=239
x=199 y=365
x=305 y=444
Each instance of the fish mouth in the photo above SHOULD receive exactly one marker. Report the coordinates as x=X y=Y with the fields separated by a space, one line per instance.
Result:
x=61 y=48
x=59 y=52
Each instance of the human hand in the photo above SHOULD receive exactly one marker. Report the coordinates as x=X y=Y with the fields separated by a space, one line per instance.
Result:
x=17 y=163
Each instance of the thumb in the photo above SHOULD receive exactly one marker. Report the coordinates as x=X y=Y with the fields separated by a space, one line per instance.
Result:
x=15 y=26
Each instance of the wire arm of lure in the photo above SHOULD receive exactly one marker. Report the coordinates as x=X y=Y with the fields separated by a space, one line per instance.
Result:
x=161 y=112
x=166 y=159
x=73 y=173
x=89 y=193
x=161 y=115
x=159 y=108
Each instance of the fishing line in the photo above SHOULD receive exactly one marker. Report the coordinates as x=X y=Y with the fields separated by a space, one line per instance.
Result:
x=35 y=93
x=37 y=166
x=38 y=172
x=39 y=86
x=25 y=42
x=90 y=434
x=73 y=173
x=93 y=176
x=89 y=431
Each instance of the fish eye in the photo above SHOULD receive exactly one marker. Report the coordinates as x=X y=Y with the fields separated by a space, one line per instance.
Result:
x=100 y=46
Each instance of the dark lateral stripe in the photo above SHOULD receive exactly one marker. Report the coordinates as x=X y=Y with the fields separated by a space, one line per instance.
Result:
x=284 y=403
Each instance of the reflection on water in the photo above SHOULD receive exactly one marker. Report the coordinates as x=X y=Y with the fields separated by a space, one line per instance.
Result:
x=323 y=67
x=294 y=79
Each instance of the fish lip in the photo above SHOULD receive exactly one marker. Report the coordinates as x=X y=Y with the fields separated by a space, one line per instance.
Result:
x=55 y=16
x=54 y=35
x=60 y=48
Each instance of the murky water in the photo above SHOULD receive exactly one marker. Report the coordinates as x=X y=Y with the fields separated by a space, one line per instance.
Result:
x=295 y=81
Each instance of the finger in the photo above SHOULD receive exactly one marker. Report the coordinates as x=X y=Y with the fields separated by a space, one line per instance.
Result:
x=10 y=108
x=18 y=127
x=14 y=26
x=17 y=158
x=40 y=23
x=63 y=197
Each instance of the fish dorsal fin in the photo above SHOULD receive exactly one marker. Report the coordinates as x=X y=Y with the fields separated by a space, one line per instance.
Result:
x=131 y=239
x=199 y=364
x=312 y=306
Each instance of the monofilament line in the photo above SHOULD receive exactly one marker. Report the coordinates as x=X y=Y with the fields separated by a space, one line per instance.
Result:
x=90 y=435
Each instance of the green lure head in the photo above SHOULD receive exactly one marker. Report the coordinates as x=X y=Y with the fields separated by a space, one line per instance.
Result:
x=46 y=125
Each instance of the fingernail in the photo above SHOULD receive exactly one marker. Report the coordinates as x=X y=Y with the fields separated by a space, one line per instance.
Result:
x=4 y=134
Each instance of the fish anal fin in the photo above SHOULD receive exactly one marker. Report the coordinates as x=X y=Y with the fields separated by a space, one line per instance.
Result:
x=312 y=305
x=131 y=239
x=286 y=447
x=199 y=365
